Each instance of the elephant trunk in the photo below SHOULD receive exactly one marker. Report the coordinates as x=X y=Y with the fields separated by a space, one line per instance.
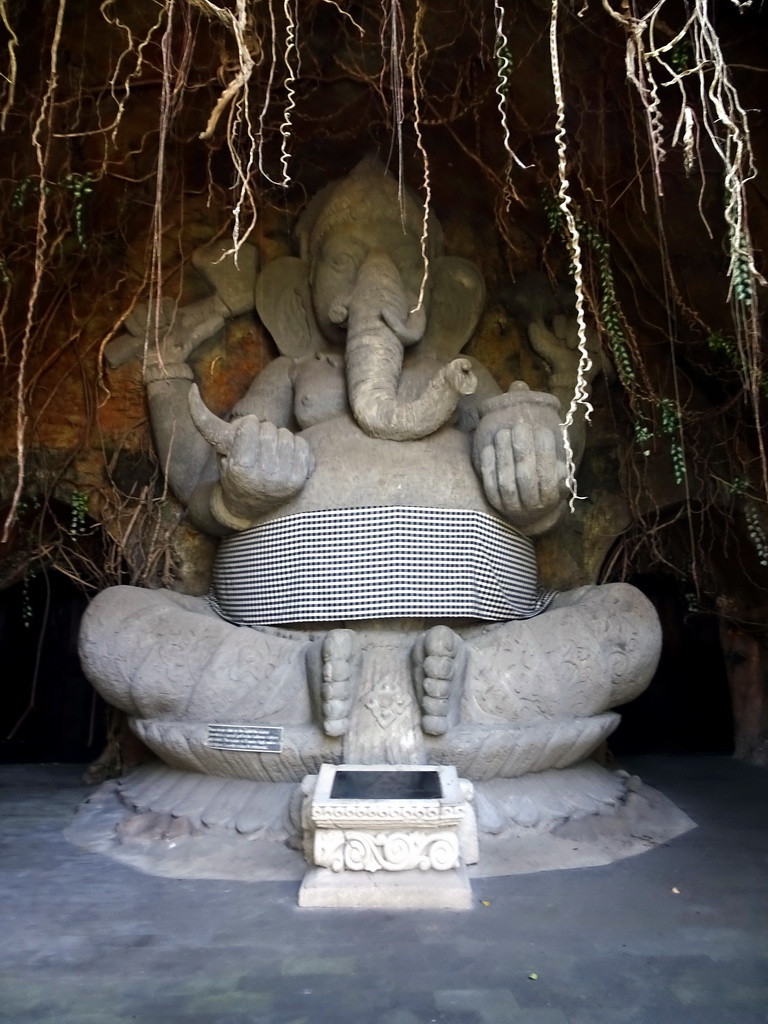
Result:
x=379 y=325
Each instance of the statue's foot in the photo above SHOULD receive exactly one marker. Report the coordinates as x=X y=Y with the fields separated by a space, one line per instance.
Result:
x=338 y=687
x=439 y=662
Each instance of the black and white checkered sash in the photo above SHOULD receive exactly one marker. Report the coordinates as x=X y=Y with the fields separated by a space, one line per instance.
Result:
x=379 y=562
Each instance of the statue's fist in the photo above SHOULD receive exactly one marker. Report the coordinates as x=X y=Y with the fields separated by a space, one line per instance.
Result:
x=519 y=454
x=523 y=473
x=261 y=467
x=264 y=467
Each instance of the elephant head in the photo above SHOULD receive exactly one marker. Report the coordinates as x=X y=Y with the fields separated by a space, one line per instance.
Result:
x=358 y=282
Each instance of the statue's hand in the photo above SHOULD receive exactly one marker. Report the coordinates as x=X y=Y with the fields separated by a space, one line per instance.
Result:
x=523 y=474
x=264 y=467
x=559 y=348
x=179 y=333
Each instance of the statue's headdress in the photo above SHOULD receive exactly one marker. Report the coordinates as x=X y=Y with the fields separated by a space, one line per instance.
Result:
x=369 y=191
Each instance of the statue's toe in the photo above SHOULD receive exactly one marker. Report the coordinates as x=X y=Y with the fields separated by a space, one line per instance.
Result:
x=339 y=685
x=336 y=726
x=441 y=640
x=438 y=674
x=434 y=725
x=335 y=709
x=437 y=686
x=439 y=668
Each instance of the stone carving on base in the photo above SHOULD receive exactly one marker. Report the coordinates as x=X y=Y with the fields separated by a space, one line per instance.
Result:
x=375 y=496
x=351 y=850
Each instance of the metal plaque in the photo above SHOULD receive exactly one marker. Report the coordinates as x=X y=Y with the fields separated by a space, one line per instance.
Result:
x=260 y=738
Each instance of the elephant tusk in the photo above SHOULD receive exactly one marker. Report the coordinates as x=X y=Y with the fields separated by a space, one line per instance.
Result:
x=215 y=431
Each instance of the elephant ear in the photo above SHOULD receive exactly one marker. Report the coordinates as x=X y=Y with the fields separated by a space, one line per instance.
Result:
x=458 y=297
x=284 y=304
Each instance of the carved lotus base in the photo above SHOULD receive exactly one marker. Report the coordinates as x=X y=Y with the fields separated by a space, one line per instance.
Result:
x=181 y=824
x=479 y=752
x=412 y=827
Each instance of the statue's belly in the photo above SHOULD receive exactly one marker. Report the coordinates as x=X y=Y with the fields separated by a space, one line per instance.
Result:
x=354 y=470
x=384 y=529
x=377 y=562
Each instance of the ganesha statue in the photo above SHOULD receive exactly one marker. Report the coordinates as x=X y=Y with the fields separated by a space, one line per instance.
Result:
x=375 y=495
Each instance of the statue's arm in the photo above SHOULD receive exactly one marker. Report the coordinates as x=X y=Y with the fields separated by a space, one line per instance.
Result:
x=262 y=463
x=271 y=394
x=187 y=460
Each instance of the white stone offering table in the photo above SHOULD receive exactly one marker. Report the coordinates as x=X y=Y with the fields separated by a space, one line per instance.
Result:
x=388 y=836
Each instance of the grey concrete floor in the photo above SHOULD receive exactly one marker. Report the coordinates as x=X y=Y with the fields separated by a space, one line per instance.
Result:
x=86 y=940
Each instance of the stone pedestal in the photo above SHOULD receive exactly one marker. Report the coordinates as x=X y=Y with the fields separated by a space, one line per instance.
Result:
x=388 y=836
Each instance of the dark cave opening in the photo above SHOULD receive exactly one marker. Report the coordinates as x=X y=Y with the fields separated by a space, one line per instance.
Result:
x=49 y=712
x=687 y=706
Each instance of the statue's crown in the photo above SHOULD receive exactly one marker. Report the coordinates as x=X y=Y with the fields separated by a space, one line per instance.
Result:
x=368 y=191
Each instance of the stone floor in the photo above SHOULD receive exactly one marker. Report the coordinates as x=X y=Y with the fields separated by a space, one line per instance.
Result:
x=675 y=936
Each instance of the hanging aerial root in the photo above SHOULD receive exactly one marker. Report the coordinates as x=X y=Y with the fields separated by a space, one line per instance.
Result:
x=13 y=43
x=42 y=151
x=290 y=82
x=503 y=64
x=234 y=98
x=565 y=202
x=419 y=49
